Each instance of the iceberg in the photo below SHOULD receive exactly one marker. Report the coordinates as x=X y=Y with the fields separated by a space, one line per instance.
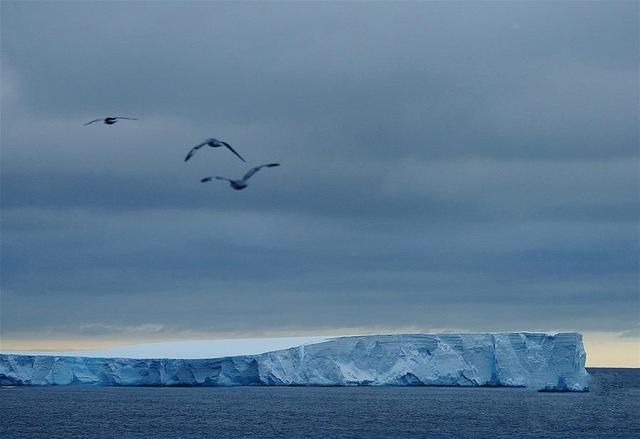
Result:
x=538 y=361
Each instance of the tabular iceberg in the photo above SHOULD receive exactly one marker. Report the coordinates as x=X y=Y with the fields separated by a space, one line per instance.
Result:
x=540 y=361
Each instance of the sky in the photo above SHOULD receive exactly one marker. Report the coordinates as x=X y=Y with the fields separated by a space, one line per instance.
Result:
x=444 y=167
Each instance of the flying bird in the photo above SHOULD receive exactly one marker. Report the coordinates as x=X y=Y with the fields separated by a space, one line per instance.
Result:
x=214 y=143
x=242 y=183
x=110 y=120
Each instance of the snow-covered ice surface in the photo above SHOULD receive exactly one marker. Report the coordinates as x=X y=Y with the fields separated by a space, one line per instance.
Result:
x=540 y=361
x=192 y=349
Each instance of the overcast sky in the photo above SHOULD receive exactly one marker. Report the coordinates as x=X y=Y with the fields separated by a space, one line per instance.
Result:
x=445 y=166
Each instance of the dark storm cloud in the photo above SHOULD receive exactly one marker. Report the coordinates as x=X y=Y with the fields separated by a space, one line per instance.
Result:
x=464 y=79
x=443 y=165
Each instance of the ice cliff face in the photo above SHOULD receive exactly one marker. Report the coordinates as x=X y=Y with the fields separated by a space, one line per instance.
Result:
x=535 y=360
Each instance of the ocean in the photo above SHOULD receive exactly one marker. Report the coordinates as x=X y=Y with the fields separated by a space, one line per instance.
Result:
x=610 y=409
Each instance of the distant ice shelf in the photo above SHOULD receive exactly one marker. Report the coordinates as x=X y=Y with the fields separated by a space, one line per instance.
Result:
x=539 y=361
x=189 y=349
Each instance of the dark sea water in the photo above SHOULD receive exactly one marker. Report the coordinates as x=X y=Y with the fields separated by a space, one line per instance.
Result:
x=611 y=409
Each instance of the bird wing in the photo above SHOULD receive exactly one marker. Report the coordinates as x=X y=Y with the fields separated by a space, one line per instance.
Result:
x=122 y=117
x=193 y=150
x=252 y=171
x=232 y=150
x=206 y=179
x=94 y=120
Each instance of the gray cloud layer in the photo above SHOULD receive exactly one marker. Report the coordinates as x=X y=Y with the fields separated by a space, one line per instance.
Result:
x=463 y=165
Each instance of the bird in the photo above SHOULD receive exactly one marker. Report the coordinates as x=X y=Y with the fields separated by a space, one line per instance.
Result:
x=110 y=120
x=214 y=143
x=242 y=183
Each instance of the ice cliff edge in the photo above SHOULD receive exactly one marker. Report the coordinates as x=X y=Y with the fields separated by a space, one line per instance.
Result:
x=540 y=361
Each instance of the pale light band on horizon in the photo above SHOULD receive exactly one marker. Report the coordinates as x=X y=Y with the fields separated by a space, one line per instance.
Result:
x=603 y=349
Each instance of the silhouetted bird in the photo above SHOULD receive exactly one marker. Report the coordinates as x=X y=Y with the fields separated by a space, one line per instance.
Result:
x=110 y=120
x=214 y=143
x=241 y=184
